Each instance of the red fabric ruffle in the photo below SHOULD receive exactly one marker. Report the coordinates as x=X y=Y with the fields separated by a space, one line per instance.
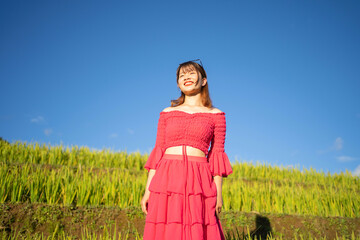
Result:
x=164 y=208
x=154 y=158
x=219 y=163
x=175 y=231
x=166 y=219
x=170 y=178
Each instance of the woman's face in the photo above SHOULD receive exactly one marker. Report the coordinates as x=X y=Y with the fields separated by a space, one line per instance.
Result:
x=190 y=82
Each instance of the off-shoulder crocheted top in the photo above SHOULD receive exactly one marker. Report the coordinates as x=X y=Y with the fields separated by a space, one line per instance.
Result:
x=197 y=130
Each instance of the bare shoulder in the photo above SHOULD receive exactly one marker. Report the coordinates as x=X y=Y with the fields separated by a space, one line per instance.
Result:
x=216 y=110
x=167 y=109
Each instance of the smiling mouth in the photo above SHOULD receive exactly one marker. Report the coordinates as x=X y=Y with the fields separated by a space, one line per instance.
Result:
x=188 y=83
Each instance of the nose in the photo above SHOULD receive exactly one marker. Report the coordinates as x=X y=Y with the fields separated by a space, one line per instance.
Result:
x=186 y=76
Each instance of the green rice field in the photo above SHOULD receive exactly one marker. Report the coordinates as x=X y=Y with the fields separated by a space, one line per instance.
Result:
x=76 y=182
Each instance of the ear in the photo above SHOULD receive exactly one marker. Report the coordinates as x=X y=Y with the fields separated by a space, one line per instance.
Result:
x=204 y=81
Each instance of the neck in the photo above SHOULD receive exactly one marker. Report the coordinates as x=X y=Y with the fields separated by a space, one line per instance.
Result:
x=193 y=100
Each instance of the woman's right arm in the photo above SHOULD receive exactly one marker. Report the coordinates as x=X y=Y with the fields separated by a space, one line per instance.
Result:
x=146 y=196
x=154 y=158
x=150 y=176
x=159 y=149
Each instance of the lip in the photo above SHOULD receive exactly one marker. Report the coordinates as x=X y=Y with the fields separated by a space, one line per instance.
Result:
x=188 y=82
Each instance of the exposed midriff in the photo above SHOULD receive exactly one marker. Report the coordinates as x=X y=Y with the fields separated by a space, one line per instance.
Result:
x=191 y=151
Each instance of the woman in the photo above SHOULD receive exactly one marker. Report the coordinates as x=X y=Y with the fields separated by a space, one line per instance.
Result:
x=183 y=196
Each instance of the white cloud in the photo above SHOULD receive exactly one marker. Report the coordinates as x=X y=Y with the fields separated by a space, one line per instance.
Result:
x=130 y=131
x=113 y=135
x=356 y=172
x=345 y=158
x=38 y=119
x=48 y=131
x=338 y=144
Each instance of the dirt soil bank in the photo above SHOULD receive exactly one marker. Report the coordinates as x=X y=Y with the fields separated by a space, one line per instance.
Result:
x=30 y=220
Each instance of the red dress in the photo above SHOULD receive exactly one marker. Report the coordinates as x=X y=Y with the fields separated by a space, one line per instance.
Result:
x=183 y=194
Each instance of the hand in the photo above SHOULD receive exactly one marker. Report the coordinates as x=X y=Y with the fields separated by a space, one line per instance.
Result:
x=219 y=203
x=144 y=201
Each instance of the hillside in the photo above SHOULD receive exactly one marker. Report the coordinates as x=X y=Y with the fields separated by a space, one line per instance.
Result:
x=58 y=190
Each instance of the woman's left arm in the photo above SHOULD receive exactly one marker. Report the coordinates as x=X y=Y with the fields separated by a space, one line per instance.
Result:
x=218 y=182
x=219 y=200
x=218 y=160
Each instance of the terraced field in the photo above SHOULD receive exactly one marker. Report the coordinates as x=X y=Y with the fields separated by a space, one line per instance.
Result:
x=74 y=192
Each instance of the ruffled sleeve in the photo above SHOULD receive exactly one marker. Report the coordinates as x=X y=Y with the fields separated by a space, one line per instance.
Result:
x=218 y=159
x=158 y=151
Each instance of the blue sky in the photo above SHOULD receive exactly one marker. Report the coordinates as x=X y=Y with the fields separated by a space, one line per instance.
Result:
x=97 y=74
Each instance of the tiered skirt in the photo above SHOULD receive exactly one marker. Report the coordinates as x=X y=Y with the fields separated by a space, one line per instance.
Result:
x=182 y=201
